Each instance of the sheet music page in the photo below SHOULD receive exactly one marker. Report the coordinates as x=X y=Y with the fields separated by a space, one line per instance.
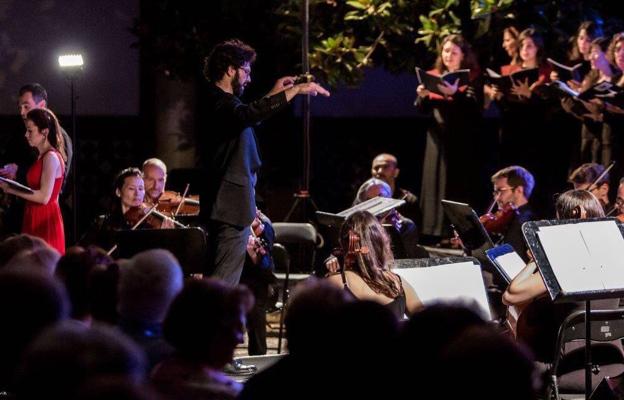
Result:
x=459 y=281
x=511 y=263
x=606 y=247
x=569 y=258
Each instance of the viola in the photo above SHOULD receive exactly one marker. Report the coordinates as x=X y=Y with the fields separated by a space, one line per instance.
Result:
x=620 y=218
x=498 y=222
x=174 y=204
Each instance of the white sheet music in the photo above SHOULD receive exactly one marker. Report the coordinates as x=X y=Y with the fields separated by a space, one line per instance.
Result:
x=511 y=263
x=585 y=256
x=448 y=282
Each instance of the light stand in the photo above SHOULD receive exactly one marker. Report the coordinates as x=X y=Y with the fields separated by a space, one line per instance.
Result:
x=72 y=65
x=303 y=196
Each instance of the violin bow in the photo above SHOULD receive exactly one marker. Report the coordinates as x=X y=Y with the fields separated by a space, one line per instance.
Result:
x=594 y=184
x=186 y=189
x=135 y=226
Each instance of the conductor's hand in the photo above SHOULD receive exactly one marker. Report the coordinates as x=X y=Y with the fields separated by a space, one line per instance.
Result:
x=282 y=84
x=312 y=88
x=9 y=171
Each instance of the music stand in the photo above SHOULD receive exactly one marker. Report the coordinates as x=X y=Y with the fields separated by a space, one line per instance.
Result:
x=507 y=262
x=187 y=244
x=579 y=260
x=377 y=206
x=446 y=279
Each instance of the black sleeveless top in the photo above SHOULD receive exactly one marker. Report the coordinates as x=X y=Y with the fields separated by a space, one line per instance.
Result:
x=397 y=306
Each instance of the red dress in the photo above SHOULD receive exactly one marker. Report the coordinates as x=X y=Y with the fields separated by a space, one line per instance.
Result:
x=45 y=220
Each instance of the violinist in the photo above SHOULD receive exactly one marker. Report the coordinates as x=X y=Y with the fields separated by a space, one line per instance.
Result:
x=512 y=189
x=618 y=209
x=592 y=177
x=124 y=213
x=155 y=178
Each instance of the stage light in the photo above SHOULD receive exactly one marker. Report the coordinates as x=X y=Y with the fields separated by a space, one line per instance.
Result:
x=71 y=61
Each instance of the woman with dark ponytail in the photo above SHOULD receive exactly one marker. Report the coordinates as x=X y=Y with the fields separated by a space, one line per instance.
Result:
x=42 y=215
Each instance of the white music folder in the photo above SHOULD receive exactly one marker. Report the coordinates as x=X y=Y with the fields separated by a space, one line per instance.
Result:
x=458 y=282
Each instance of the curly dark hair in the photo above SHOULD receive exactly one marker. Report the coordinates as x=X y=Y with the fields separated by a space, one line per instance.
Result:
x=231 y=53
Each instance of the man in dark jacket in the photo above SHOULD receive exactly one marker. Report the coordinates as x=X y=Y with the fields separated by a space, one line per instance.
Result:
x=229 y=152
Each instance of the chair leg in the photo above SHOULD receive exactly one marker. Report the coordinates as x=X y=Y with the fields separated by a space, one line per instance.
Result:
x=283 y=310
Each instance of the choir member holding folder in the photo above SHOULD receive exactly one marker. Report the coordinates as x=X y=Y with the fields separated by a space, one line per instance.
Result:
x=525 y=134
x=454 y=129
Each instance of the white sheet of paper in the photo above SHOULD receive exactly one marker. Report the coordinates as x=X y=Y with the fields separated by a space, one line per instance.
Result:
x=511 y=263
x=606 y=247
x=569 y=258
x=448 y=282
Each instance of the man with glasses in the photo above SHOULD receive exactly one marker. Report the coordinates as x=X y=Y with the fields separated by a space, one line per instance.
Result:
x=512 y=188
x=228 y=151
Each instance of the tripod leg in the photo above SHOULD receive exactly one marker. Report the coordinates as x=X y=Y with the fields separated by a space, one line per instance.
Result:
x=292 y=209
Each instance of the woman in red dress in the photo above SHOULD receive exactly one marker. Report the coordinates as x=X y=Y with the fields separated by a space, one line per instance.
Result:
x=42 y=215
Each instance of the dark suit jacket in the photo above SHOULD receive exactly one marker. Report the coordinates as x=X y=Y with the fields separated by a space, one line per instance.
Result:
x=229 y=156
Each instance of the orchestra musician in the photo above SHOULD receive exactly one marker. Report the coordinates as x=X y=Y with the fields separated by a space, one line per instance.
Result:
x=618 y=208
x=407 y=232
x=385 y=166
x=258 y=276
x=168 y=202
x=125 y=212
x=155 y=179
x=540 y=318
x=586 y=177
x=512 y=189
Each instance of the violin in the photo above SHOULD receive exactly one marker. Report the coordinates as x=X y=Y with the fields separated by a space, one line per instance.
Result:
x=173 y=204
x=498 y=222
x=136 y=216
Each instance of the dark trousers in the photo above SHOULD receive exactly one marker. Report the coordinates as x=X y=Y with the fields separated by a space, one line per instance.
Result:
x=228 y=246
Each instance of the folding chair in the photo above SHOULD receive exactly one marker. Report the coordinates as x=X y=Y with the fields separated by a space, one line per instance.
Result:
x=606 y=326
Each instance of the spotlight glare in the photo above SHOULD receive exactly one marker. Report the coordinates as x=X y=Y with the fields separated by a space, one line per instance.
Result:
x=70 y=61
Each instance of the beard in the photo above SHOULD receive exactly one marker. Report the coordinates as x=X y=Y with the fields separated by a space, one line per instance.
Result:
x=237 y=88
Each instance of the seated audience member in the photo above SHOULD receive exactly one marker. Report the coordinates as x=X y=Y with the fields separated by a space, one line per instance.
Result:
x=258 y=276
x=148 y=283
x=39 y=260
x=540 y=318
x=311 y=318
x=483 y=364
x=404 y=228
x=205 y=323
x=386 y=167
x=17 y=243
x=103 y=293
x=28 y=304
x=585 y=176
x=74 y=270
x=70 y=355
x=367 y=263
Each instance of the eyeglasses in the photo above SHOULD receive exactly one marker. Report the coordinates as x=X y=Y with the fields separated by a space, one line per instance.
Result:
x=498 y=191
x=247 y=70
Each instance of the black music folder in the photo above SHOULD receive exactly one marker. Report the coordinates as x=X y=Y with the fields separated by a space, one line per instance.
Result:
x=466 y=223
x=431 y=82
x=16 y=185
x=505 y=82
